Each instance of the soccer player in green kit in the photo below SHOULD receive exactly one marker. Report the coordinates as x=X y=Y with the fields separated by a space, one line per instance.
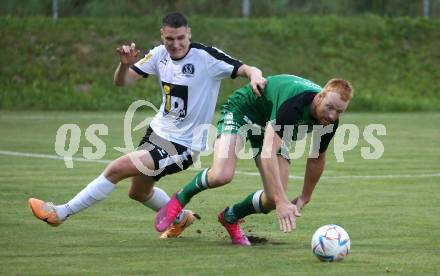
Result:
x=286 y=103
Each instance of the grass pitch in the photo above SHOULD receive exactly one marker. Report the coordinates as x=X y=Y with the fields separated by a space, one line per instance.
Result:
x=390 y=208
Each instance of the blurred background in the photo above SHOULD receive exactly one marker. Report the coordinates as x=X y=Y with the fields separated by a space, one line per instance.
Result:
x=60 y=55
x=221 y=8
x=57 y=62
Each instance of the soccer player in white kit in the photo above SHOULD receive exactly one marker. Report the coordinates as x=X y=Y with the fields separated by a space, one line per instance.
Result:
x=189 y=75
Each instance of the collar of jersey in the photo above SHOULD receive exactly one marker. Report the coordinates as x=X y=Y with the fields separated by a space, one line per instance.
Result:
x=177 y=59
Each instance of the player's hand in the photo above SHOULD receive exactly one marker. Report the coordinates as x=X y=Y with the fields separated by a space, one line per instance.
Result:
x=128 y=54
x=287 y=214
x=258 y=82
x=300 y=202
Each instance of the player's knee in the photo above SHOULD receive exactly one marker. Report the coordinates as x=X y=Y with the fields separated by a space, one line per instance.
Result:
x=221 y=178
x=133 y=195
x=114 y=170
x=120 y=169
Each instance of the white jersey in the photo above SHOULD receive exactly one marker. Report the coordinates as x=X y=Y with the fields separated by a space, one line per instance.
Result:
x=190 y=88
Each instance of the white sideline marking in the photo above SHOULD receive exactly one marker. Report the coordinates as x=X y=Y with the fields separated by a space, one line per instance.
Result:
x=80 y=159
x=48 y=156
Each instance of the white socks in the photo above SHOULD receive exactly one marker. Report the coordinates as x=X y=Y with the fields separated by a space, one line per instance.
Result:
x=96 y=191
x=158 y=200
x=99 y=189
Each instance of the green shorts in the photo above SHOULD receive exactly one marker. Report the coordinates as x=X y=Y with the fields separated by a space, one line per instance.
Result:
x=233 y=121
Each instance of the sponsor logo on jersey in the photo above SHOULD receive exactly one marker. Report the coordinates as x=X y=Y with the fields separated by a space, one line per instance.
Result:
x=188 y=70
x=176 y=100
x=146 y=58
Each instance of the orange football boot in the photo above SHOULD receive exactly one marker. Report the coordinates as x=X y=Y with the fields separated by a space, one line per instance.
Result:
x=175 y=229
x=44 y=211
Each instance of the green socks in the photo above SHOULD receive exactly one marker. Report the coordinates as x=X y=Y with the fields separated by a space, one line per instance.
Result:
x=195 y=186
x=250 y=205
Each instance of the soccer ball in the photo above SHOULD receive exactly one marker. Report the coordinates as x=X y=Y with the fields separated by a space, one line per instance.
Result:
x=330 y=243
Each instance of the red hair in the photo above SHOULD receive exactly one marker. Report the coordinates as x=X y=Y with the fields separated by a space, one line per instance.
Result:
x=339 y=86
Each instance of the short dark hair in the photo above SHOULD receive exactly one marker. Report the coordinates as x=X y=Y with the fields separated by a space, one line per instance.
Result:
x=174 y=20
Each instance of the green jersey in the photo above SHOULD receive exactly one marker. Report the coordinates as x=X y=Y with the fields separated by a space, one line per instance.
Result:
x=285 y=101
x=278 y=90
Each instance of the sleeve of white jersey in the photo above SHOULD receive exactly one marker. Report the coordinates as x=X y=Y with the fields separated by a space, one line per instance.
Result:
x=148 y=64
x=220 y=65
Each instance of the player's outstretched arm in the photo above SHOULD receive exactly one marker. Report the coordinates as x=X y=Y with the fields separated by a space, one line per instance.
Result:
x=286 y=211
x=124 y=75
x=314 y=170
x=258 y=82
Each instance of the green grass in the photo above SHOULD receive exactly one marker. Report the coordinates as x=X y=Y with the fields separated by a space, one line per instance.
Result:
x=393 y=220
x=391 y=62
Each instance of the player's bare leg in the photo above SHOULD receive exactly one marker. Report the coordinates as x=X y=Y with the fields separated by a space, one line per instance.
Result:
x=256 y=202
x=142 y=189
x=267 y=202
x=95 y=191
x=221 y=173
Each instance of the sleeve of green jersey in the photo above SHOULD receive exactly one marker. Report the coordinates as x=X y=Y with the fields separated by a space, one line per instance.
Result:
x=290 y=113
x=326 y=138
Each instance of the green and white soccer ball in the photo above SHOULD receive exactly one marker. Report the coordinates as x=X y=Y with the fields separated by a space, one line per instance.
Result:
x=330 y=243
